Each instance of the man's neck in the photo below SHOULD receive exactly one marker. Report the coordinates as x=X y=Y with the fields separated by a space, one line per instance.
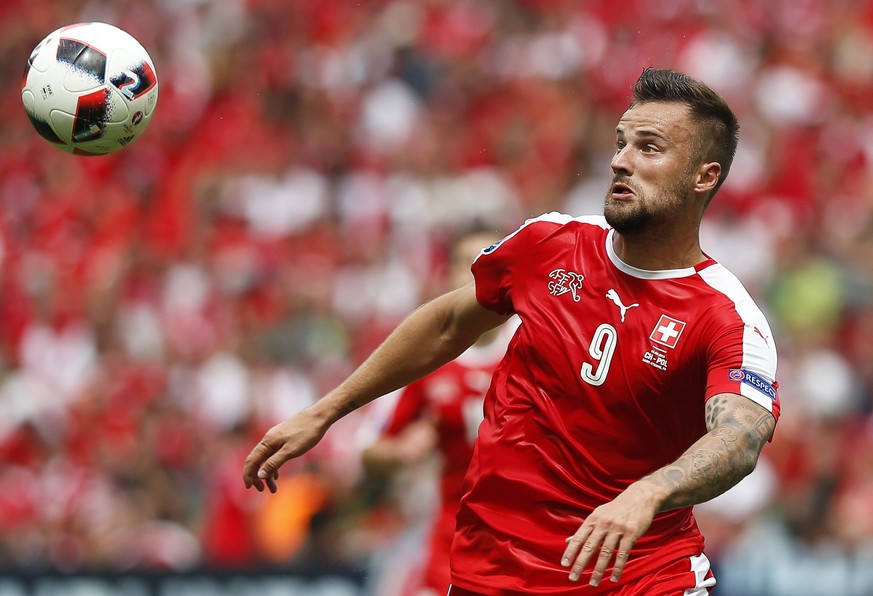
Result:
x=658 y=252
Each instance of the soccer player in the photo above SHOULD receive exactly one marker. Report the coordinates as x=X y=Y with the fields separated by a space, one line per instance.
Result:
x=442 y=413
x=640 y=382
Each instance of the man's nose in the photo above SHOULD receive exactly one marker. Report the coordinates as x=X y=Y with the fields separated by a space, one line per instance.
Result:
x=621 y=161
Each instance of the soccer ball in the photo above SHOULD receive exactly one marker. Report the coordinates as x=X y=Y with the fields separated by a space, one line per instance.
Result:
x=89 y=88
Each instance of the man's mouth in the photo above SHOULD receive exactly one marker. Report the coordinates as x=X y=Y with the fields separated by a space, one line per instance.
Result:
x=621 y=192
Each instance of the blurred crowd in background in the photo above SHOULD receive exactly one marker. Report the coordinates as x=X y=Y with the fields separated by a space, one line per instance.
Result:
x=294 y=198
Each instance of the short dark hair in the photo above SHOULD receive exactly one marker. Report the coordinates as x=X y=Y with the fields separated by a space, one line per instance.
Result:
x=718 y=132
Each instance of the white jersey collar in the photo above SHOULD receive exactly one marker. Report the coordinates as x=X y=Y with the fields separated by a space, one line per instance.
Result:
x=643 y=273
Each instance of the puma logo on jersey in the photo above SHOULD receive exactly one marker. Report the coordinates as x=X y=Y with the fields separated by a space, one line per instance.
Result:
x=565 y=281
x=764 y=337
x=613 y=295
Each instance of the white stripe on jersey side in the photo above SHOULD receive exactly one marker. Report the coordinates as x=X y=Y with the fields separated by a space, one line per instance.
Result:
x=700 y=567
x=552 y=217
x=759 y=350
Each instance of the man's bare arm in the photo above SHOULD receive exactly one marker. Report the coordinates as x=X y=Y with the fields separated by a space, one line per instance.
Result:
x=430 y=337
x=738 y=429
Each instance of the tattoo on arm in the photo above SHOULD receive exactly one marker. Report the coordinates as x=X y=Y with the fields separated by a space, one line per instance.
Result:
x=348 y=408
x=738 y=429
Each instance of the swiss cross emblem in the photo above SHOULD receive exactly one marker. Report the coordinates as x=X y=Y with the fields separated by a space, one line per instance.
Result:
x=667 y=331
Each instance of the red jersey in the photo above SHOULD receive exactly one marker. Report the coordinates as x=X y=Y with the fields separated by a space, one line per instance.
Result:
x=604 y=382
x=452 y=398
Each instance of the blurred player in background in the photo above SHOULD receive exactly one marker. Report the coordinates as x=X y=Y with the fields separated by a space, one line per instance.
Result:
x=640 y=382
x=441 y=413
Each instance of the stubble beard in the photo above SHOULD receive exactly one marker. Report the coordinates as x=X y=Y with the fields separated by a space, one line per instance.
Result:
x=638 y=216
x=627 y=218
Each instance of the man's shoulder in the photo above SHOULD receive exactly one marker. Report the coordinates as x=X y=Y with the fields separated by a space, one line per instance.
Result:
x=552 y=226
x=724 y=282
x=561 y=219
x=740 y=307
x=555 y=222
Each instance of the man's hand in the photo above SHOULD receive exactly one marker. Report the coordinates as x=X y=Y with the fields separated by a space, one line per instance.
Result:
x=285 y=441
x=609 y=533
x=738 y=429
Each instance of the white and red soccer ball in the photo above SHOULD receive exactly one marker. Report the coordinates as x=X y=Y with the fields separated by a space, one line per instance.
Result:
x=89 y=88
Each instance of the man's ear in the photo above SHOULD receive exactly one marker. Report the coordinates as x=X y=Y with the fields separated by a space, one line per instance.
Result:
x=707 y=177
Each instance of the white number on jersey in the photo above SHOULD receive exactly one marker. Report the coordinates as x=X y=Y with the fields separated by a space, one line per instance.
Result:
x=602 y=349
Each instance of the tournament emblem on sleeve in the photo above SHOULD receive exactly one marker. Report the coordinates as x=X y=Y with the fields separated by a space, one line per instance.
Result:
x=667 y=331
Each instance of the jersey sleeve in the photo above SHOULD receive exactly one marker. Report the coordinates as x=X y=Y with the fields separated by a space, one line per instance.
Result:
x=492 y=273
x=742 y=352
x=742 y=360
x=494 y=267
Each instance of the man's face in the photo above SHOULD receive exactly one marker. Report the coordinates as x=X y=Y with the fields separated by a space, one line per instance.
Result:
x=653 y=169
